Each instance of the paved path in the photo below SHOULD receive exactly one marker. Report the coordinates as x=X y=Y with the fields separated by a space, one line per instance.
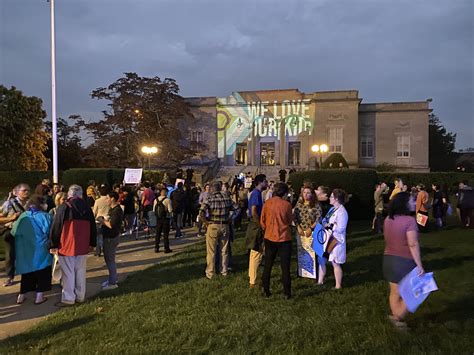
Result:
x=132 y=255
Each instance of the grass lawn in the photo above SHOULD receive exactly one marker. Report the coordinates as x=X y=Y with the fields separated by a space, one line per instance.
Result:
x=172 y=308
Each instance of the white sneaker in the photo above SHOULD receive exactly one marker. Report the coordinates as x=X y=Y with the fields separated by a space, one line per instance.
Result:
x=105 y=283
x=110 y=287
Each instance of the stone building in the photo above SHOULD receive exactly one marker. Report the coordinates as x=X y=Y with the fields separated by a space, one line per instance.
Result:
x=277 y=128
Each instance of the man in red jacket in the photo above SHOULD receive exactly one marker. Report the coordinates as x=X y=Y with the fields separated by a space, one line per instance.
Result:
x=73 y=235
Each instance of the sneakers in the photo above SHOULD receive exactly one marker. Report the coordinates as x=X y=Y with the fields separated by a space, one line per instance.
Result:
x=108 y=286
x=8 y=283
x=168 y=251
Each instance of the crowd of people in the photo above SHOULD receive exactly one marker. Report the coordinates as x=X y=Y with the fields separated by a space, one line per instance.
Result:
x=440 y=202
x=53 y=224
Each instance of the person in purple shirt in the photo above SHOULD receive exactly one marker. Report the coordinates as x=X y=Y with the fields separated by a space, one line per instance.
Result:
x=254 y=236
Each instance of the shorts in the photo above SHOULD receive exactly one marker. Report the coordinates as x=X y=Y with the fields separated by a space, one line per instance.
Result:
x=395 y=268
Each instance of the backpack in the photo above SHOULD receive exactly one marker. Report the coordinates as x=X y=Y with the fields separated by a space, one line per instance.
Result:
x=160 y=209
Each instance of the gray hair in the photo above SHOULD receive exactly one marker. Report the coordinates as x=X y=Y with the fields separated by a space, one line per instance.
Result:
x=20 y=186
x=74 y=191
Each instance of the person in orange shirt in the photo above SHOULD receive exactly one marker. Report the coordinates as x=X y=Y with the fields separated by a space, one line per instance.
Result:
x=276 y=221
x=422 y=205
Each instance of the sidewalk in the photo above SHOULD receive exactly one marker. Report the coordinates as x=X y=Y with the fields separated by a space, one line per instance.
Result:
x=132 y=255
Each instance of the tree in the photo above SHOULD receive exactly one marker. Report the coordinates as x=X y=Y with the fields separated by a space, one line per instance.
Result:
x=142 y=111
x=441 y=146
x=335 y=161
x=22 y=135
x=70 y=150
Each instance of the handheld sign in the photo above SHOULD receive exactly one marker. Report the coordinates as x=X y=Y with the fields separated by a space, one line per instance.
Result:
x=133 y=176
x=415 y=289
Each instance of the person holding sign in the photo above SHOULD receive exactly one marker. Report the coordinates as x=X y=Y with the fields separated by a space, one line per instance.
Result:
x=307 y=213
x=335 y=224
x=402 y=253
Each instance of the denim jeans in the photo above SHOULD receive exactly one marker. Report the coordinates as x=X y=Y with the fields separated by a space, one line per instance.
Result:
x=110 y=248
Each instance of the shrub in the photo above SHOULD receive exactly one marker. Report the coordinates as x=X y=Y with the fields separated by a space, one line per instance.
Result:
x=103 y=176
x=357 y=182
x=385 y=167
x=335 y=161
x=9 y=179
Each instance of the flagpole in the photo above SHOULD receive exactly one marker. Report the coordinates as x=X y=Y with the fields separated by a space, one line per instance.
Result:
x=53 y=97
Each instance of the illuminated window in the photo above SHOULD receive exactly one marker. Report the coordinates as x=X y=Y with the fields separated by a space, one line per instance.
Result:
x=335 y=140
x=366 y=147
x=403 y=146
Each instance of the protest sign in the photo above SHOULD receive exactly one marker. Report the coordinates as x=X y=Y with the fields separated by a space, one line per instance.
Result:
x=132 y=176
x=415 y=289
x=306 y=257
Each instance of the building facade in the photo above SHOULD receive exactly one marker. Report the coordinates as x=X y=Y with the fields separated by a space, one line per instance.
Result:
x=279 y=127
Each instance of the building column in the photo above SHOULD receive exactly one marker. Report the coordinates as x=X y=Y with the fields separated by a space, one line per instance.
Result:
x=283 y=157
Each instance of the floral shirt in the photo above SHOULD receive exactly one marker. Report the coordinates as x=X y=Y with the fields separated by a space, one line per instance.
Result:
x=305 y=215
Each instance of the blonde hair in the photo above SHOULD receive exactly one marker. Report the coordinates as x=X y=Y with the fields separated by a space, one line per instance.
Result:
x=59 y=196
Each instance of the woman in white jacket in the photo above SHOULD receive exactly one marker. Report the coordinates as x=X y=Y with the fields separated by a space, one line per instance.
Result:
x=337 y=221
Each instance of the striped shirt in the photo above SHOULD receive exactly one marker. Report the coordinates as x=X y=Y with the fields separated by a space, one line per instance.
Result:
x=218 y=207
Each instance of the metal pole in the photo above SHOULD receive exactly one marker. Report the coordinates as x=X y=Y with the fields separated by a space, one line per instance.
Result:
x=53 y=97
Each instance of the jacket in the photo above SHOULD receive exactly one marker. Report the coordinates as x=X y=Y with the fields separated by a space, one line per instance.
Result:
x=73 y=230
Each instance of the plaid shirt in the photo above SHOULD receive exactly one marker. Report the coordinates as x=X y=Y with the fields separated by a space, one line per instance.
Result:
x=218 y=207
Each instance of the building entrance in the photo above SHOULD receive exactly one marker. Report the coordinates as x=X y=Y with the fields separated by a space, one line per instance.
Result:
x=267 y=153
x=294 y=151
x=241 y=154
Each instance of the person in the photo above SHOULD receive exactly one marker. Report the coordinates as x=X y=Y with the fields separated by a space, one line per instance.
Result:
x=92 y=193
x=336 y=221
x=307 y=213
x=412 y=200
x=147 y=199
x=178 y=202
x=73 y=235
x=254 y=234
x=322 y=194
x=202 y=197
x=242 y=201
x=401 y=254
x=381 y=189
x=59 y=199
x=268 y=193
x=397 y=189
x=110 y=226
x=422 y=205
x=12 y=209
x=215 y=212
x=163 y=211
x=101 y=210
x=129 y=210
x=276 y=222
x=42 y=188
x=439 y=201
x=282 y=175
x=33 y=260
x=248 y=180
x=465 y=203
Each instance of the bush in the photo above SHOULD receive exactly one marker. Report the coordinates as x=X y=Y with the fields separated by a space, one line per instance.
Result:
x=412 y=179
x=335 y=161
x=103 y=176
x=9 y=179
x=385 y=167
x=357 y=182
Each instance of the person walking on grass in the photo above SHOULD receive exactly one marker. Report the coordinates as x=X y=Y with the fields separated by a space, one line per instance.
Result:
x=33 y=260
x=215 y=212
x=110 y=226
x=276 y=222
x=401 y=254
x=422 y=206
x=163 y=212
x=254 y=234
x=73 y=235
x=336 y=223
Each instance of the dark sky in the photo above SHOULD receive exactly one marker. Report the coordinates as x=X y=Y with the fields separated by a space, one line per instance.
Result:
x=404 y=50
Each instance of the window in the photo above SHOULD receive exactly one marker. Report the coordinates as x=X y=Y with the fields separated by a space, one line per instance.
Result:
x=366 y=147
x=403 y=146
x=197 y=140
x=335 y=140
x=294 y=149
x=241 y=154
x=267 y=153
x=197 y=136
